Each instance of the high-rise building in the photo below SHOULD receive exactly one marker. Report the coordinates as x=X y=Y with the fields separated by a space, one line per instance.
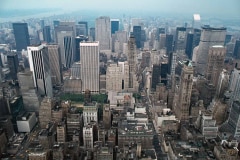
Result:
x=156 y=71
x=103 y=32
x=42 y=23
x=75 y=70
x=45 y=114
x=114 y=25
x=114 y=78
x=162 y=41
x=169 y=44
x=196 y=23
x=158 y=32
x=90 y=66
x=79 y=39
x=209 y=37
x=189 y=45
x=180 y=39
x=185 y=90
x=55 y=63
x=216 y=56
x=47 y=34
x=236 y=52
x=82 y=28
x=234 y=85
x=20 y=31
x=228 y=39
x=137 y=35
x=90 y=113
x=39 y=65
x=66 y=40
x=88 y=137
x=12 y=59
x=92 y=34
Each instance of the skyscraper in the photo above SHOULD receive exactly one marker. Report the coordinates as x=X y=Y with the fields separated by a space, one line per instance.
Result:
x=66 y=41
x=196 y=23
x=114 y=78
x=47 y=34
x=90 y=66
x=236 y=52
x=169 y=44
x=215 y=63
x=114 y=25
x=209 y=37
x=189 y=45
x=39 y=65
x=79 y=39
x=180 y=39
x=103 y=32
x=55 y=63
x=82 y=28
x=20 y=31
x=92 y=34
x=234 y=85
x=137 y=35
x=12 y=59
x=185 y=90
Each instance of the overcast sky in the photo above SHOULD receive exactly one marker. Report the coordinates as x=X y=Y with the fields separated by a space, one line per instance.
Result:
x=214 y=7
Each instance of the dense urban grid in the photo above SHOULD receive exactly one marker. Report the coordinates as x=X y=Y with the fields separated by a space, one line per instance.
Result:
x=119 y=89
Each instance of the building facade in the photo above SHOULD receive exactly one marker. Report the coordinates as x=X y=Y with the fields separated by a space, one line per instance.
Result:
x=103 y=32
x=20 y=31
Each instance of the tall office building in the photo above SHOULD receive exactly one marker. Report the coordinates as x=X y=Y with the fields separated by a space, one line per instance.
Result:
x=196 y=23
x=90 y=66
x=92 y=34
x=236 y=52
x=156 y=71
x=12 y=60
x=55 y=64
x=47 y=34
x=234 y=85
x=189 y=45
x=215 y=63
x=162 y=41
x=185 y=90
x=169 y=44
x=180 y=39
x=103 y=33
x=114 y=78
x=40 y=67
x=137 y=35
x=158 y=32
x=66 y=41
x=209 y=37
x=114 y=25
x=82 y=28
x=42 y=23
x=20 y=31
x=79 y=39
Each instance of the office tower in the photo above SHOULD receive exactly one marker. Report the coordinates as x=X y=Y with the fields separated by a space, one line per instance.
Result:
x=162 y=41
x=82 y=28
x=114 y=25
x=228 y=39
x=66 y=41
x=42 y=23
x=74 y=123
x=209 y=37
x=121 y=38
x=114 y=78
x=196 y=37
x=79 y=39
x=236 y=52
x=90 y=66
x=92 y=34
x=169 y=44
x=39 y=65
x=156 y=71
x=189 y=45
x=55 y=64
x=185 y=89
x=106 y=117
x=180 y=39
x=234 y=85
x=216 y=56
x=158 y=32
x=47 y=34
x=90 y=113
x=132 y=56
x=222 y=86
x=88 y=137
x=137 y=35
x=7 y=126
x=75 y=70
x=56 y=23
x=103 y=32
x=12 y=59
x=45 y=114
x=163 y=73
x=20 y=31
x=196 y=23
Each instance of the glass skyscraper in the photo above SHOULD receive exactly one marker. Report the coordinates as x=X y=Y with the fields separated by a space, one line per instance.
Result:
x=20 y=31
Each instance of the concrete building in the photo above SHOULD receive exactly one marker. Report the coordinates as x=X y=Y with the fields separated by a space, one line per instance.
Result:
x=75 y=70
x=180 y=39
x=12 y=60
x=26 y=122
x=114 y=78
x=216 y=56
x=103 y=32
x=57 y=113
x=7 y=126
x=47 y=136
x=45 y=111
x=234 y=85
x=55 y=64
x=222 y=85
x=40 y=67
x=90 y=113
x=74 y=123
x=209 y=37
x=90 y=66
x=185 y=89
x=88 y=137
x=106 y=117
x=61 y=132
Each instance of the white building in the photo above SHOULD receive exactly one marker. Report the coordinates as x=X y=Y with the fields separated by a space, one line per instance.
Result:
x=88 y=137
x=40 y=67
x=26 y=122
x=90 y=113
x=90 y=66
x=114 y=78
x=103 y=32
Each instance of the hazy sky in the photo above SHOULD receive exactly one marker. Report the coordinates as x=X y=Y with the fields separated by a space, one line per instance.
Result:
x=214 y=7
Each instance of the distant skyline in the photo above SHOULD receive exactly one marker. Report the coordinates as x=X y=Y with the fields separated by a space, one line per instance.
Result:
x=221 y=8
